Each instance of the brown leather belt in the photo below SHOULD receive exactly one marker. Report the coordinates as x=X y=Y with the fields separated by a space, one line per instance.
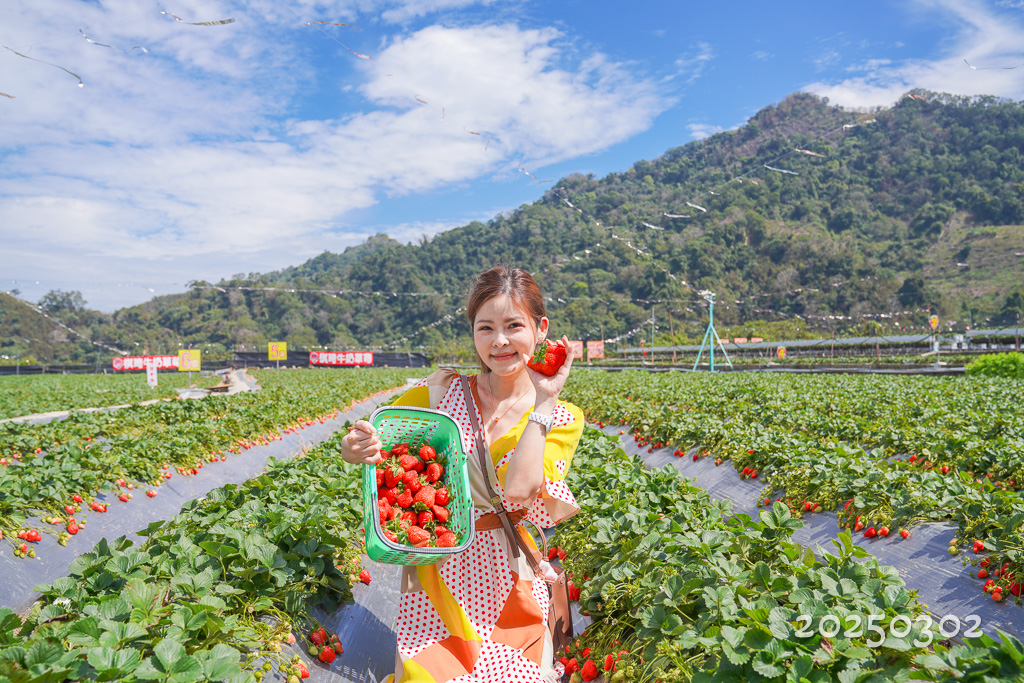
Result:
x=491 y=521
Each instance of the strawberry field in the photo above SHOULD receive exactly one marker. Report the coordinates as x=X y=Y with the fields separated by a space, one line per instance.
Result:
x=43 y=393
x=676 y=585
x=44 y=467
x=883 y=453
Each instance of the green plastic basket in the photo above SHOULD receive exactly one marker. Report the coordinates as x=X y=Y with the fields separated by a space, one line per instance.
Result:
x=409 y=424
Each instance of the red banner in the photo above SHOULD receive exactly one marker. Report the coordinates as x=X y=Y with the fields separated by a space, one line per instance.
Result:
x=140 y=362
x=341 y=358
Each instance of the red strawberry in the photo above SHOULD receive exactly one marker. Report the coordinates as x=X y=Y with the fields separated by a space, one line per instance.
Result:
x=426 y=497
x=393 y=475
x=978 y=546
x=858 y=526
x=417 y=535
x=425 y=518
x=410 y=462
x=77 y=498
x=441 y=530
x=904 y=533
x=411 y=481
x=69 y=509
x=404 y=500
x=548 y=358
x=151 y=493
x=609 y=663
x=572 y=667
x=441 y=496
x=427 y=452
x=364 y=576
x=561 y=553
x=883 y=531
x=407 y=519
x=434 y=472
x=552 y=552
x=390 y=535
x=982 y=573
x=589 y=671
x=72 y=528
x=384 y=510
x=319 y=637
x=870 y=532
x=448 y=540
x=326 y=655
x=400 y=449
x=123 y=497
x=380 y=477
x=574 y=591
x=441 y=514
x=390 y=495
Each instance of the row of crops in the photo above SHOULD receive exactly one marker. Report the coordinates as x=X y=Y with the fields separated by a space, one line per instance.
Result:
x=43 y=393
x=676 y=593
x=879 y=451
x=212 y=594
x=44 y=466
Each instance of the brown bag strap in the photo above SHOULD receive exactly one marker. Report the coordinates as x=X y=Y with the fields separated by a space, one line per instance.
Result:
x=488 y=468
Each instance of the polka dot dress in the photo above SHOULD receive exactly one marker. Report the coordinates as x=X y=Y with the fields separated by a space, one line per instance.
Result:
x=481 y=616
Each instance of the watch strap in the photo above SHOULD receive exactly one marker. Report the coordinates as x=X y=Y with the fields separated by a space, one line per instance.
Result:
x=546 y=420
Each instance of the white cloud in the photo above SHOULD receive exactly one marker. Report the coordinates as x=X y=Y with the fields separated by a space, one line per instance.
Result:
x=699 y=131
x=986 y=38
x=170 y=165
x=691 y=66
x=762 y=55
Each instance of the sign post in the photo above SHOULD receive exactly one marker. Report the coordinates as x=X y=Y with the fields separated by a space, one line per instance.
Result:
x=277 y=351
x=934 y=322
x=189 y=360
x=782 y=352
x=151 y=374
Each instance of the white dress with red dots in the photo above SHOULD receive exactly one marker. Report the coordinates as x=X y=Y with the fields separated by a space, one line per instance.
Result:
x=481 y=617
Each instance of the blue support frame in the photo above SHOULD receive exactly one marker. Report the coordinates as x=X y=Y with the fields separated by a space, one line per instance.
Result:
x=711 y=336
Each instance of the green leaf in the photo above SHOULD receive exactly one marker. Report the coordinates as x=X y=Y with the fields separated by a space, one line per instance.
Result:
x=113 y=664
x=85 y=632
x=168 y=651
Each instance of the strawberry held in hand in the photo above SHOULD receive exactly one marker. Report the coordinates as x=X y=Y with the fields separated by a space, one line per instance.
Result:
x=548 y=358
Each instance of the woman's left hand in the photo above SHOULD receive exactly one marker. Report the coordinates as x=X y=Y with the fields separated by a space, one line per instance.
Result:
x=549 y=387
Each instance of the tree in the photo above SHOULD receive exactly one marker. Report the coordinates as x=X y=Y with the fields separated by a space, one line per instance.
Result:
x=56 y=301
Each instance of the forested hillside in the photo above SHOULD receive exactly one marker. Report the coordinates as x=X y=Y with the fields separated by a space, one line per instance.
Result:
x=910 y=210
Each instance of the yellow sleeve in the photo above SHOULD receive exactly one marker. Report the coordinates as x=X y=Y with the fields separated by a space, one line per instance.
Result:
x=556 y=502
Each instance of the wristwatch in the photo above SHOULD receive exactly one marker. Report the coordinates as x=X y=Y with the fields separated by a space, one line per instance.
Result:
x=546 y=420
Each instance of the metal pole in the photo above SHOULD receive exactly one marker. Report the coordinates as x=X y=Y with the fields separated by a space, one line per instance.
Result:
x=711 y=329
x=1017 y=335
x=652 y=335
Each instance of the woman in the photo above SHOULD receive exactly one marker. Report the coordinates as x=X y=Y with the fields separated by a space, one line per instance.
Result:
x=481 y=615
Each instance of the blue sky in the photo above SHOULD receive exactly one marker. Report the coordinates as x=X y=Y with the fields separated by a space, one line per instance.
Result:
x=254 y=145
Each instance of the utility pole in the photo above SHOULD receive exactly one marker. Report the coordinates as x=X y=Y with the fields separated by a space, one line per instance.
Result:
x=652 y=335
x=1017 y=333
x=672 y=333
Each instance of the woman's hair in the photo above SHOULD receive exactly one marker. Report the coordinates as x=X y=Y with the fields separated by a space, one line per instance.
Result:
x=514 y=283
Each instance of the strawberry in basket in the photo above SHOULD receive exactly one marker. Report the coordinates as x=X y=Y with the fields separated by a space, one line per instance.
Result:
x=412 y=499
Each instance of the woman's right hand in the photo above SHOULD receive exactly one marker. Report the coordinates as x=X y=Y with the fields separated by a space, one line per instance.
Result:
x=361 y=446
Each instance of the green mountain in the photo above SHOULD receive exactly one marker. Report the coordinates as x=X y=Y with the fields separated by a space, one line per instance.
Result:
x=811 y=211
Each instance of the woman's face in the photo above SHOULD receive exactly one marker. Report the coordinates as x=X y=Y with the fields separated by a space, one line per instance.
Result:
x=505 y=337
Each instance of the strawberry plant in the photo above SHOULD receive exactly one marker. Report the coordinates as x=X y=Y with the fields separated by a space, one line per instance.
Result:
x=209 y=595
